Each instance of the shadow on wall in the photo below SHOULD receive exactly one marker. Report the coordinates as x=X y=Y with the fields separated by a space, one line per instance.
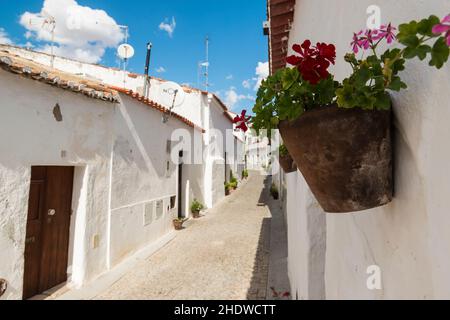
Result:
x=258 y=284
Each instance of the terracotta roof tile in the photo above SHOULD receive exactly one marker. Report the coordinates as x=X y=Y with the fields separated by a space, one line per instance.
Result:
x=38 y=72
x=136 y=96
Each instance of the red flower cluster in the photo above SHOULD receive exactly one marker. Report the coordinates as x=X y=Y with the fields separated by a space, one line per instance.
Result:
x=313 y=62
x=241 y=121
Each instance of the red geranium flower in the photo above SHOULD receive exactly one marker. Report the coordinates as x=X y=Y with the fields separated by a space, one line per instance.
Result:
x=313 y=62
x=241 y=121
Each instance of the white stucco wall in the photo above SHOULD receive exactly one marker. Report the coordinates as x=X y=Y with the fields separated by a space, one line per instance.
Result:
x=30 y=135
x=141 y=178
x=306 y=228
x=408 y=239
x=120 y=156
x=221 y=141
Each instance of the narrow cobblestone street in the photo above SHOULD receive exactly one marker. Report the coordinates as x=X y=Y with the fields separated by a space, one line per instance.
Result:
x=223 y=255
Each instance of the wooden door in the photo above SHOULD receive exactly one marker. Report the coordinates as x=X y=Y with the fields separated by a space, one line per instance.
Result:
x=47 y=238
x=180 y=190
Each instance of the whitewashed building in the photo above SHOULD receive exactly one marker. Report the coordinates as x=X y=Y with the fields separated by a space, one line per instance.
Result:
x=205 y=110
x=406 y=244
x=257 y=150
x=86 y=177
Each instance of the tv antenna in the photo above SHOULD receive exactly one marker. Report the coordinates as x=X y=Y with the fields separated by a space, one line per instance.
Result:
x=203 y=67
x=125 y=52
x=47 y=22
x=172 y=96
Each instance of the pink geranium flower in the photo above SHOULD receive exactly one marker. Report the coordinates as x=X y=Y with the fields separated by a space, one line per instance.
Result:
x=369 y=37
x=357 y=42
x=387 y=32
x=443 y=27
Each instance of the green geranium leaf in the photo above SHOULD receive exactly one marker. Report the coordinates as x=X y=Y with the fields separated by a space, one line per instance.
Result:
x=410 y=41
x=397 y=84
x=383 y=101
x=439 y=53
x=289 y=76
x=406 y=30
x=422 y=51
x=425 y=26
x=362 y=76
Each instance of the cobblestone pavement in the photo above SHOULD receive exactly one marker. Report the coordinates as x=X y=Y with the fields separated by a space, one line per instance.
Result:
x=223 y=255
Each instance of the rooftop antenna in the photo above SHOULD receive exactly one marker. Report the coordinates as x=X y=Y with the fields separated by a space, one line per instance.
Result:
x=125 y=52
x=205 y=66
x=48 y=20
x=172 y=95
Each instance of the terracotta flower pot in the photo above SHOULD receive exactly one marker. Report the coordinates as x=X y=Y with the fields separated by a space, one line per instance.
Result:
x=196 y=214
x=178 y=224
x=287 y=163
x=345 y=156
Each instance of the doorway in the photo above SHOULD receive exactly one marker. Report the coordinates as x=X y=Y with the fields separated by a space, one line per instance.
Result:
x=48 y=225
x=180 y=184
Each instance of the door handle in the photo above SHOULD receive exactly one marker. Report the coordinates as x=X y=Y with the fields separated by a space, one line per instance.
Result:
x=51 y=212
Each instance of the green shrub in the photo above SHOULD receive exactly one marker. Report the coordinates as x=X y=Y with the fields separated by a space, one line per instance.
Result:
x=196 y=206
x=245 y=173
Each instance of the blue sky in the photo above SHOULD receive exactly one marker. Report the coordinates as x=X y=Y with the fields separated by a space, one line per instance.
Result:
x=234 y=27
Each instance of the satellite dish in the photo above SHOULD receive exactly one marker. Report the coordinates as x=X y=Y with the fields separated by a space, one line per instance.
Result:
x=125 y=51
x=172 y=94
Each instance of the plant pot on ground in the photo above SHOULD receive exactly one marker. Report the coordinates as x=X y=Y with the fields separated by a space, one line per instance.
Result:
x=227 y=189
x=274 y=191
x=178 y=223
x=196 y=207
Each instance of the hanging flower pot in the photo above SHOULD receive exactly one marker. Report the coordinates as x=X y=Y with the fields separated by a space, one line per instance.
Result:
x=344 y=150
x=287 y=163
x=285 y=160
x=345 y=156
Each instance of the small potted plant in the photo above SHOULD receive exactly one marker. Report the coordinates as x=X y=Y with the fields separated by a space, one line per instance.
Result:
x=274 y=191
x=178 y=223
x=339 y=135
x=233 y=182
x=245 y=174
x=196 y=207
x=285 y=160
x=227 y=189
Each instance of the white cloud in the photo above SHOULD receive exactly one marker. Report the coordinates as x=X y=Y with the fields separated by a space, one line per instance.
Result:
x=161 y=70
x=232 y=97
x=169 y=27
x=80 y=33
x=4 y=39
x=262 y=72
x=247 y=84
x=229 y=77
